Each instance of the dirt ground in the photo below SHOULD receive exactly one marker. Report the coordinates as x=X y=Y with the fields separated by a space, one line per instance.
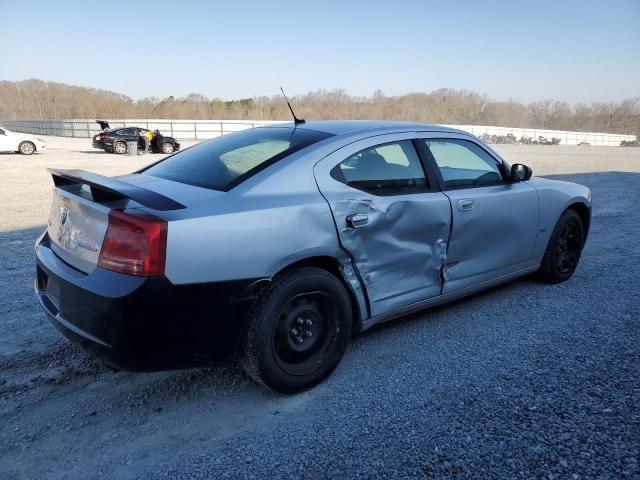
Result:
x=523 y=380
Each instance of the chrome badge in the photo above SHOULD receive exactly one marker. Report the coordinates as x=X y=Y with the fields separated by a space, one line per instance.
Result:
x=63 y=216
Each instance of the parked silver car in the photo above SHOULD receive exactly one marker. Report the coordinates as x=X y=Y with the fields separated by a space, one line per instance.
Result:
x=277 y=244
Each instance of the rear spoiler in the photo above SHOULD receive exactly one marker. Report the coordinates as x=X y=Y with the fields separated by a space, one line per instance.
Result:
x=106 y=188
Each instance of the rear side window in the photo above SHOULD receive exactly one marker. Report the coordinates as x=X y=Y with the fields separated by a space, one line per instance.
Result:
x=388 y=169
x=224 y=162
x=463 y=163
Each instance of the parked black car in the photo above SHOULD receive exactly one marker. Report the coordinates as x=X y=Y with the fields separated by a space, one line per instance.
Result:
x=115 y=139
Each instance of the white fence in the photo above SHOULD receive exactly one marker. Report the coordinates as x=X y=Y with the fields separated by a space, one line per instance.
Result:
x=179 y=129
x=566 y=138
x=203 y=129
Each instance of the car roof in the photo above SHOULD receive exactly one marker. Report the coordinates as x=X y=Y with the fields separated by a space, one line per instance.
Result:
x=113 y=129
x=338 y=127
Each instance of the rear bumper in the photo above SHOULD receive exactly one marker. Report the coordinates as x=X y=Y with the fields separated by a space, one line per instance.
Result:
x=143 y=324
x=97 y=144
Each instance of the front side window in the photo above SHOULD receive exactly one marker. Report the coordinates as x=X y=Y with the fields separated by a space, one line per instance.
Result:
x=226 y=161
x=463 y=163
x=391 y=168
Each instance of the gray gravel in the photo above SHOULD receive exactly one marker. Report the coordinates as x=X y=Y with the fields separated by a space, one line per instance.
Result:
x=524 y=380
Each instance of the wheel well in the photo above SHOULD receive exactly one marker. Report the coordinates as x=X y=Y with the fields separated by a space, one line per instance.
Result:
x=583 y=212
x=331 y=265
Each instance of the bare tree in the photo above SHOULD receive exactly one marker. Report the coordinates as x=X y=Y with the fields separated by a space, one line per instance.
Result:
x=35 y=99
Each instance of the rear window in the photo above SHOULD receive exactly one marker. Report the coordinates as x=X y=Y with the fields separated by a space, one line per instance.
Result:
x=227 y=161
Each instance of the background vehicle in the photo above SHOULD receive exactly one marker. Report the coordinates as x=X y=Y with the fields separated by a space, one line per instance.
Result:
x=20 y=142
x=280 y=242
x=114 y=140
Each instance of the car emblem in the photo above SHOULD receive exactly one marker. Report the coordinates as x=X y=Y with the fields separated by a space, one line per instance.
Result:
x=63 y=216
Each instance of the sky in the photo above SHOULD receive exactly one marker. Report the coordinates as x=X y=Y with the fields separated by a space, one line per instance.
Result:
x=576 y=51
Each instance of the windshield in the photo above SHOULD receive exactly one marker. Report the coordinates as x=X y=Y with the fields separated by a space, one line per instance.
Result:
x=227 y=161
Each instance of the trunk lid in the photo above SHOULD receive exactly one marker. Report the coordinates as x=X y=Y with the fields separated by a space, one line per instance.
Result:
x=79 y=215
x=76 y=228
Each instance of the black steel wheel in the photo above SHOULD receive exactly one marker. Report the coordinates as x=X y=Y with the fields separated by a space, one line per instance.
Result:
x=304 y=331
x=299 y=332
x=567 y=249
x=563 y=250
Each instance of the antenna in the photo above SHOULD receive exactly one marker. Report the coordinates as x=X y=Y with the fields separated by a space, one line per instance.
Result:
x=296 y=120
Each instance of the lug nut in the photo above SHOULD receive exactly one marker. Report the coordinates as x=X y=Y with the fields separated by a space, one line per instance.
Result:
x=309 y=333
x=300 y=339
x=309 y=322
x=293 y=331
x=300 y=321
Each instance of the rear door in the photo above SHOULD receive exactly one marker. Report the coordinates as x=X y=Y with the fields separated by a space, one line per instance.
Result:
x=389 y=217
x=495 y=222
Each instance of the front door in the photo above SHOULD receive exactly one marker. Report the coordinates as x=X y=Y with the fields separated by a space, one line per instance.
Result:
x=389 y=217
x=495 y=221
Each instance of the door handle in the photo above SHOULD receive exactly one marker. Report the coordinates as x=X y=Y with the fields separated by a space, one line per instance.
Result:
x=465 y=204
x=357 y=220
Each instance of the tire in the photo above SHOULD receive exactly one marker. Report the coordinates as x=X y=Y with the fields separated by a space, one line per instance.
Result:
x=120 y=148
x=167 y=147
x=279 y=351
x=26 y=148
x=563 y=250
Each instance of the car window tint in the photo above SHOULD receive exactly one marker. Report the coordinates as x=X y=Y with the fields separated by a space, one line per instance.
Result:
x=463 y=163
x=226 y=161
x=392 y=168
x=1 y=132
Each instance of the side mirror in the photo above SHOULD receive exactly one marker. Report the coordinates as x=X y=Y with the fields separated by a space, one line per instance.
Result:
x=520 y=172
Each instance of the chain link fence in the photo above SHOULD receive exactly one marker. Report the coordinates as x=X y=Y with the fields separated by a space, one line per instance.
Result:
x=204 y=129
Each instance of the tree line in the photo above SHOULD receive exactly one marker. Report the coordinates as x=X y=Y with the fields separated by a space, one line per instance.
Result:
x=37 y=99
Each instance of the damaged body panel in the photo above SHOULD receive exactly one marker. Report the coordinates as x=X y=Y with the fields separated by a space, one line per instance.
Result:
x=397 y=242
x=399 y=254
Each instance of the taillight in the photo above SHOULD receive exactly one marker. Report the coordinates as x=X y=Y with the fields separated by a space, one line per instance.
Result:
x=103 y=136
x=135 y=243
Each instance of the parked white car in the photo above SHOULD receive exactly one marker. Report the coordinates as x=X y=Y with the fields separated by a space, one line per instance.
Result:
x=20 y=142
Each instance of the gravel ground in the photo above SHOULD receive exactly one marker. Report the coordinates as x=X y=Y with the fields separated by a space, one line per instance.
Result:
x=524 y=380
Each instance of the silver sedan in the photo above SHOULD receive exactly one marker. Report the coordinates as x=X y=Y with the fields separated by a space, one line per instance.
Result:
x=275 y=245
